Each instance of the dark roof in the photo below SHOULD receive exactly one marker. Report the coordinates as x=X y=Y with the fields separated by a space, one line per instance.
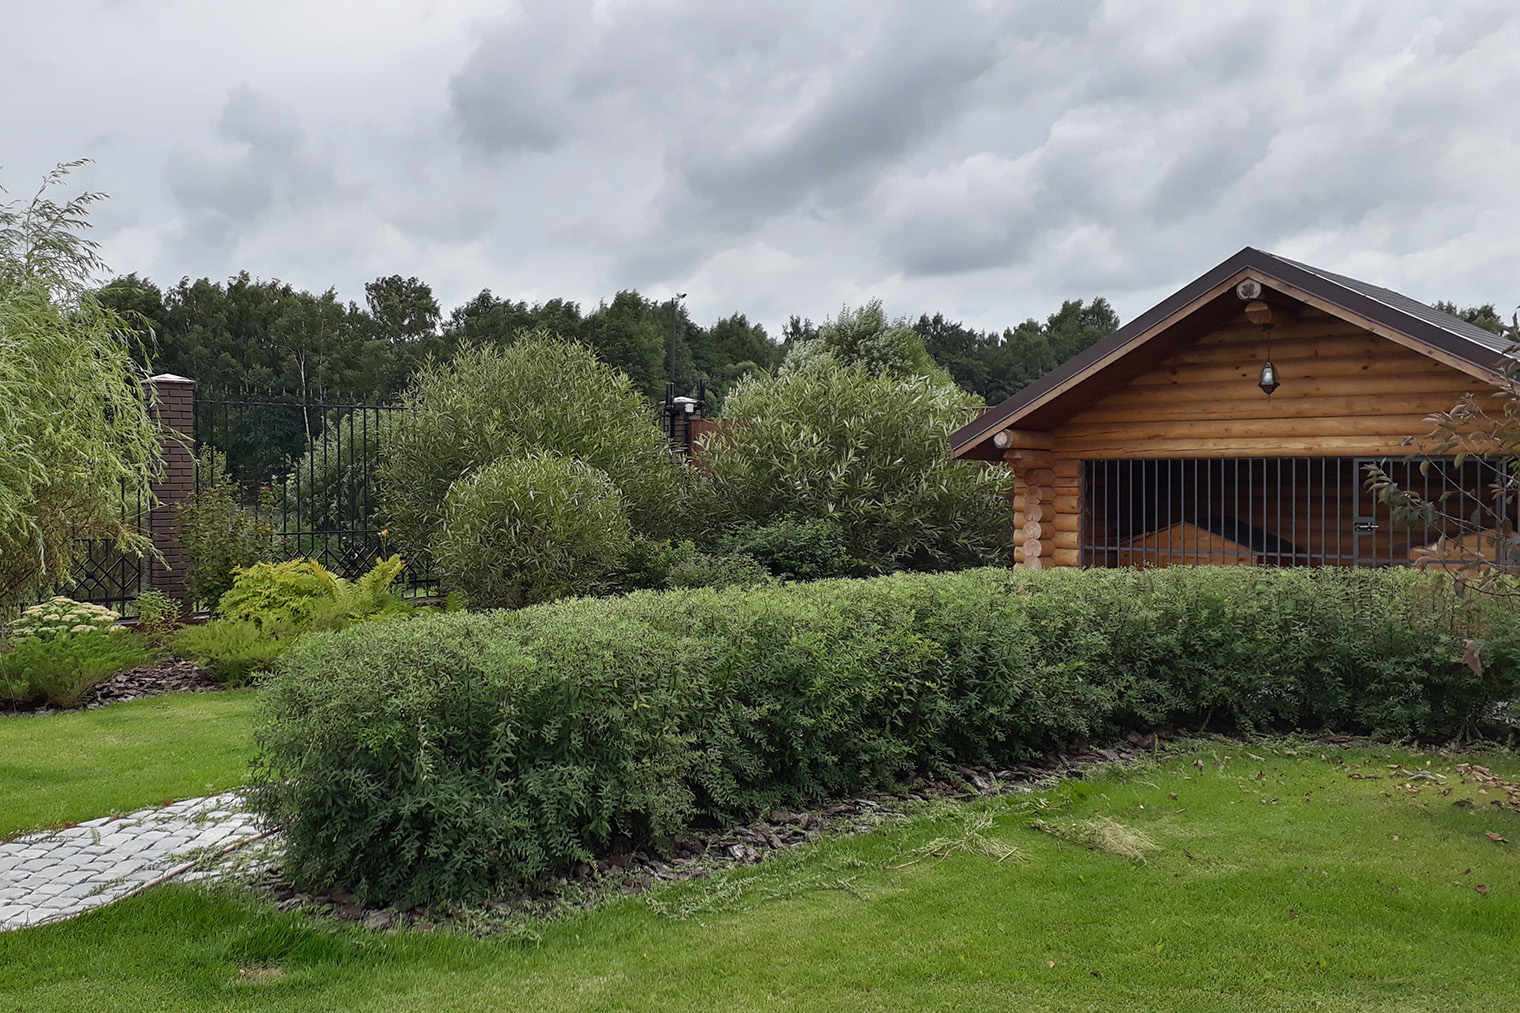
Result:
x=1412 y=307
x=1439 y=332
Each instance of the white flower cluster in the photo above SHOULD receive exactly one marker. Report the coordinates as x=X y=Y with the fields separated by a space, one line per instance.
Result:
x=60 y=616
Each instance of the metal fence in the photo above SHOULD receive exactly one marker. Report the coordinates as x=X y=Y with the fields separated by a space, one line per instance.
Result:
x=103 y=574
x=1288 y=512
x=311 y=472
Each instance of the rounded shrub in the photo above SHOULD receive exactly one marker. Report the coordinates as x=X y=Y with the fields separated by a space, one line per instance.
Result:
x=537 y=396
x=866 y=453
x=522 y=531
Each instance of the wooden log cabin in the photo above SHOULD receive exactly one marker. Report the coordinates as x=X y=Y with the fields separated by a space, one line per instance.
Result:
x=1164 y=444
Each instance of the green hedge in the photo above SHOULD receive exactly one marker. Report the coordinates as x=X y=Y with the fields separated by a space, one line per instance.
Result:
x=446 y=757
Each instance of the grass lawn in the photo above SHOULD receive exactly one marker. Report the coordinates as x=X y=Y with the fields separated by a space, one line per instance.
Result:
x=64 y=768
x=1277 y=884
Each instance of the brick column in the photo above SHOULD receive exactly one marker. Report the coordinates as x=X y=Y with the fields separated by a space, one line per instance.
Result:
x=174 y=414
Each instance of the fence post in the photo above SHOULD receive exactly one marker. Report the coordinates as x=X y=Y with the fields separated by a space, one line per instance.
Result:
x=174 y=413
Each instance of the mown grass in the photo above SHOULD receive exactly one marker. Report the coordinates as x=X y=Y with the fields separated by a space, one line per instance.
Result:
x=1278 y=884
x=63 y=768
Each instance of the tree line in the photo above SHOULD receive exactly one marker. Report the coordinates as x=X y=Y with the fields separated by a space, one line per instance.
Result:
x=250 y=337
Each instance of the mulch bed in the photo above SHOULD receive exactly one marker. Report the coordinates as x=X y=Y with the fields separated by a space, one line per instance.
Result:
x=167 y=676
x=696 y=856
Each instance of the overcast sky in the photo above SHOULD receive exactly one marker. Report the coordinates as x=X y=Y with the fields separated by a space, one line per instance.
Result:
x=985 y=160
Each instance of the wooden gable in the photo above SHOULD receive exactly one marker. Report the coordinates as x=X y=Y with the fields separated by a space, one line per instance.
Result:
x=1359 y=366
x=1345 y=392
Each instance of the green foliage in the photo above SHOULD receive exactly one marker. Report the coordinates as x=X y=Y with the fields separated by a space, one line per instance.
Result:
x=522 y=531
x=234 y=651
x=60 y=617
x=158 y=615
x=864 y=338
x=649 y=565
x=1474 y=517
x=795 y=550
x=303 y=594
x=61 y=669
x=731 y=570
x=1484 y=316
x=74 y=424
x=537 y=396
x=866 y=453
x=444 y=757
x=998 y=365
x=217 y=532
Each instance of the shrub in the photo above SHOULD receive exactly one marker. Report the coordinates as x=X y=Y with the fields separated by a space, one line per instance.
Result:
x=518 y=532
x=157 y=614
x=866 y=453
x=233 y=651
x=649 y=565
x=447 y=756
x=864 y=338
x=703 y=570
x=795 y=550
x=301 y=594
x=62 y=669
x=538 y=396
x=60 y=617
x=217 y=532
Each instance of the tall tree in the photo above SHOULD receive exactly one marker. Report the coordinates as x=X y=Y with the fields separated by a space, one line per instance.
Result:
x=1485 y=316
x=999 y=365
x=74 y=423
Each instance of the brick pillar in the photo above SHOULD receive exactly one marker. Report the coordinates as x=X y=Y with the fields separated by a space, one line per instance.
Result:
x=174 y=413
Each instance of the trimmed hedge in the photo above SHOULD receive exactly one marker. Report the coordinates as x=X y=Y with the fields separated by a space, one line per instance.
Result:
x=447 y=757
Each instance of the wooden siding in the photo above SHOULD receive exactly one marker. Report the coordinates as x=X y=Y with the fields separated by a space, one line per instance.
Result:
x=1345 y=392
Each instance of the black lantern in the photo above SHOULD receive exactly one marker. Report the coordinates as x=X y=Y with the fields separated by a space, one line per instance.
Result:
x=1268 y=381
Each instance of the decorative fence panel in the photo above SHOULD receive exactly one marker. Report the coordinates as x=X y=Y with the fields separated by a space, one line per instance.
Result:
x=103 y=574
x=311 y=472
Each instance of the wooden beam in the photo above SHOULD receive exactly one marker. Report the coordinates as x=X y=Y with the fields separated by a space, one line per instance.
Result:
x=1323 y=446
x=1282 y=405
x=1183 y=391
x=1022 y=439
x=1024 y=460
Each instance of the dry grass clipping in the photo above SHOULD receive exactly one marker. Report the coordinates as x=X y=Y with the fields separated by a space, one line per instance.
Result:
x=1103 y=834
x=969 y=839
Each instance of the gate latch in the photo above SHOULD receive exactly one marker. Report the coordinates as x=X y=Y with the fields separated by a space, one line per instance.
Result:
x=1364 y=525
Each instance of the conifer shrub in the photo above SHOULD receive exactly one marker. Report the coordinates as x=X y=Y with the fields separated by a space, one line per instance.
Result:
x=449 y=756
x=522 y=531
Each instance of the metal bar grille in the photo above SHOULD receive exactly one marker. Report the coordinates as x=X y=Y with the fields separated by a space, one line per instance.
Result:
x=310 y=471
x=1266 y=511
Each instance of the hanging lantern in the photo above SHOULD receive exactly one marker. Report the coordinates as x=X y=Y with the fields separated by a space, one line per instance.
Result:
x=1268 y=378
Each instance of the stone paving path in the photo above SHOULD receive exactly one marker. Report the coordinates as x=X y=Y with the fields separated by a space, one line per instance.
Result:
x=55 y=874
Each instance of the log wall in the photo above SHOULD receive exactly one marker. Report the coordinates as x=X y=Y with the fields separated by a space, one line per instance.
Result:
x=1345 y=392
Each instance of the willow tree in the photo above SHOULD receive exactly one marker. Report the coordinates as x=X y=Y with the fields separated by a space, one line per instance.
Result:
x=76 y=435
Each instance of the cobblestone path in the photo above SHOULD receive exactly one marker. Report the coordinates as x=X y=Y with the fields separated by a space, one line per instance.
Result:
x=55 y=874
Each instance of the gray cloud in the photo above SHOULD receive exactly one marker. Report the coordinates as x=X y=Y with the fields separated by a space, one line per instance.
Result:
x=982 y=159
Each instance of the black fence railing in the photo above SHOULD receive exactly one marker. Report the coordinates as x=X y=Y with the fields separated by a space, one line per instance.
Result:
x=102 y=573
x=311 y=471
